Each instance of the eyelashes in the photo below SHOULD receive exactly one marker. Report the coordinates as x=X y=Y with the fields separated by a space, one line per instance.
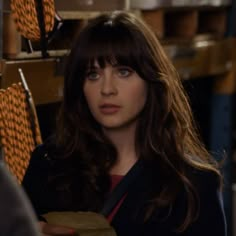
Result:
x=117 y=71
x=92 y=75
x=125 y=71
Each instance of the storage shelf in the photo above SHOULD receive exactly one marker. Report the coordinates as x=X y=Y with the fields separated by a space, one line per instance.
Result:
x=201 y=58
x=189 y=57
x=86 y=15
x=192 y=60
x=156 y=4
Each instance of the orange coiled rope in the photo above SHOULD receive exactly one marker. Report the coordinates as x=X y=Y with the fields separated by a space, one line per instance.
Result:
x=25 y=14
x=19 y=133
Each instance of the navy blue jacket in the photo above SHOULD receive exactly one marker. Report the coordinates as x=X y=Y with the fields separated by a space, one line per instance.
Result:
x=129 y=220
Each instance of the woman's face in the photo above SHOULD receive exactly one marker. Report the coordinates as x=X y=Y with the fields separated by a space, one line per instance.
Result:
x=115 y=95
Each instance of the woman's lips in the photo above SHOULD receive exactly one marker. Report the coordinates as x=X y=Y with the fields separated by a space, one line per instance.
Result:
x=109 y=109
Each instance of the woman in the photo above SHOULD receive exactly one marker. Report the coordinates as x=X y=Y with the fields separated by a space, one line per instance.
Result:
x=124 y=102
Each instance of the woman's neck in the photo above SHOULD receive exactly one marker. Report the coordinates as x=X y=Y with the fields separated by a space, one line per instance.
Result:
x=124 y=141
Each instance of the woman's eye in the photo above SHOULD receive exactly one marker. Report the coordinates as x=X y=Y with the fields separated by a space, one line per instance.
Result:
x=124 y=72
x=92 y=75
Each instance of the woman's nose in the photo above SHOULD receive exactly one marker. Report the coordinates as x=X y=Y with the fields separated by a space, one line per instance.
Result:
x=108 y=86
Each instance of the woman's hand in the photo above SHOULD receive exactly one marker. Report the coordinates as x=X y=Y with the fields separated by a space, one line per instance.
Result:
x=54 y=230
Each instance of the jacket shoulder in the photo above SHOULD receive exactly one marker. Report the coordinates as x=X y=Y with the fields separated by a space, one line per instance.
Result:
x=206 y=180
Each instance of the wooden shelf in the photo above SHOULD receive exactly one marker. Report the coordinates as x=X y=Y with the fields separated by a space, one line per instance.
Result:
x=150 y=5
x=37 y=55
x=192 y=60
x=41 y=75
x=78 y=15
x=201 y=58
x=86 y=15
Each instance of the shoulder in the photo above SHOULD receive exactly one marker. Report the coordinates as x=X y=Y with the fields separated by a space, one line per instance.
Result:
x=39 y=151
x=205 y=180
x=206 y=186
x=39 y=157
x=43 y=154
x=47 y=157
x=207 y=201
x=210 y=219
x=40 y=165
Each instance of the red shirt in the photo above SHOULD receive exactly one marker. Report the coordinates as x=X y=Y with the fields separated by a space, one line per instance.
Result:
x=115 y=179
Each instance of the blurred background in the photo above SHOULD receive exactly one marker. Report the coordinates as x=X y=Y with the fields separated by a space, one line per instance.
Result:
x=198 y=35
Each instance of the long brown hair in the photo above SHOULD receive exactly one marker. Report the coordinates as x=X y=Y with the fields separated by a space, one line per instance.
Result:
x=166 y=135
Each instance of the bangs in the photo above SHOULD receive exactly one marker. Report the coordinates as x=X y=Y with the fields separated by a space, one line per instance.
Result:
x=114 y=45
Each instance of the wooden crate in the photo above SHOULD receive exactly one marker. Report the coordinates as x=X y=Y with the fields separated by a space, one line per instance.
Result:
x=201 y=58
x=180 y=24
x=42 y=77
x=187 y=22
x=155 y=19
x=213 y=21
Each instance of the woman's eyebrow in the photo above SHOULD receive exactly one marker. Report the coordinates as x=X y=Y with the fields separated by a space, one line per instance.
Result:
x=119 y=65
x=93 y=67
